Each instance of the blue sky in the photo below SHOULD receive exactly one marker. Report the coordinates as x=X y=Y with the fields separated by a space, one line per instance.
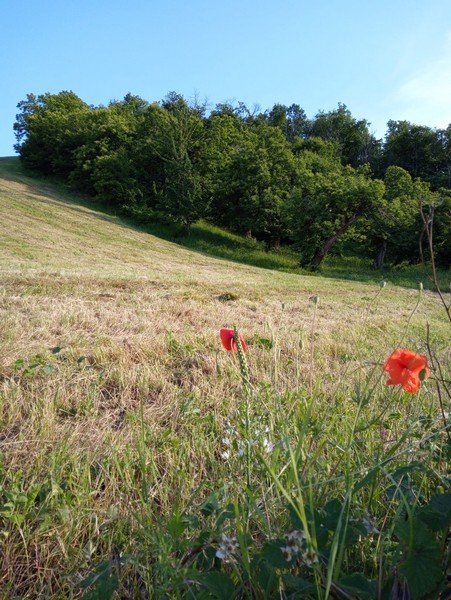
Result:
x=383 y=59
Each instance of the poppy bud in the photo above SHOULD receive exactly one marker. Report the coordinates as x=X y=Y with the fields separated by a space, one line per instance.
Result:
x=228 y=340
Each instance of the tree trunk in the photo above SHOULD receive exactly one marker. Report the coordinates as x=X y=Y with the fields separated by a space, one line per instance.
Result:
x=248 y=234
x=420 y=244
x=321 y=252
x=274 y=244
x=379 y=260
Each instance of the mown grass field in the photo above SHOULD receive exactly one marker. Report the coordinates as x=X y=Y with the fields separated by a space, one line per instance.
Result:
x=119 y=410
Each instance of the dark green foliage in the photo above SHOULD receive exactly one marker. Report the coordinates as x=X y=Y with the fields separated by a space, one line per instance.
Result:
x=422 y=151
x=291 y=120
x=420 y=563
x=395 y=229
x=358 y=585
x=172 y=151
x=49 y=128
x=356 y=145
x=103 y=582
x=104 y=162
x=274 y=176
x=218 y=585
x=437 y=514
x=263 y=567
x=442 y=228
x=251 y=170
x=328 y=200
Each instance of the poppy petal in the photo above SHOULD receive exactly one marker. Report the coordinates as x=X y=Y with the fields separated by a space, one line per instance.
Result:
x=227 y=340
x=417 y=363
x=396 y=373
x=243 y=343
x=412 y=383
x=394 y=357
x=395 y=368
x=404 y=368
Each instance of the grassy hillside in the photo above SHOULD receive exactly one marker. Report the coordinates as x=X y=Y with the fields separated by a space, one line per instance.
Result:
x=119 y=409
x=207 y=239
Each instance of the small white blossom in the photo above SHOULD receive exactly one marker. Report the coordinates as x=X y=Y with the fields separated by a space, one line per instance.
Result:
x=268 y=446
x=288 y=552
x=225 y=455
x=294 y=544
x=296 y=535
x=227 y=547
x=309 y=557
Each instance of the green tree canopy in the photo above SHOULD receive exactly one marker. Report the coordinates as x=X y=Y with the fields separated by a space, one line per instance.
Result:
x=48 y=129
x=251 y=170
x=356 y=145
x=328 y=200
x=418 y=149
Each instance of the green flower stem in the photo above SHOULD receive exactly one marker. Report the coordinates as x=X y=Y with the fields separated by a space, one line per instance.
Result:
x=244 y=370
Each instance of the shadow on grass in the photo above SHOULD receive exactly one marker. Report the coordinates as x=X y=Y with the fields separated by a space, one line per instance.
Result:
x=353 y=268
x=210 y=240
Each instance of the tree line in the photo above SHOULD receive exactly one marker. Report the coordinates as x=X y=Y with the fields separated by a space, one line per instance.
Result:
x=276 y=175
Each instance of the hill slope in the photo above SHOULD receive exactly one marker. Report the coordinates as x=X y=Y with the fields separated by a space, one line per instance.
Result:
x=48 y=240
x=115 y=393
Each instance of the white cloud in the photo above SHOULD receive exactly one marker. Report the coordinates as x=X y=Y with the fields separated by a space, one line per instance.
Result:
x=425 y=96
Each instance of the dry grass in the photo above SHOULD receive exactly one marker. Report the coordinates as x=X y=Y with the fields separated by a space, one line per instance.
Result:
x=137 y=319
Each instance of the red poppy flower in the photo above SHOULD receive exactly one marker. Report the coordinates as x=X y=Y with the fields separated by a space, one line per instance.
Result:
x=404 y=368
x=228 y=340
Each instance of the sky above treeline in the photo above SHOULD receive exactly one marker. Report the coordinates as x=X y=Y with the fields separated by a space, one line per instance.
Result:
x=384 y=59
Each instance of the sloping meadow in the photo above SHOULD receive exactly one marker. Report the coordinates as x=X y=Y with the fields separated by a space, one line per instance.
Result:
x=135 y=462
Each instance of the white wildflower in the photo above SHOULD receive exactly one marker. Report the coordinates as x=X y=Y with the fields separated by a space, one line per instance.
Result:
x=268 y=446
x=309 y=557
x=227 y=547
x=296 y=535
x=288 y=553
x=294 y=544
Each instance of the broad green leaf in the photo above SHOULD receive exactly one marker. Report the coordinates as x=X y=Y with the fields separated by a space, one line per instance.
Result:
x=421 y=565
x=103 y=583
x=265 y=574
x=218 y=584
x=176 y=525
x=297 y=586
x=358 y=585
x=272 y=553
x=210 y=506
x=437 y=513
